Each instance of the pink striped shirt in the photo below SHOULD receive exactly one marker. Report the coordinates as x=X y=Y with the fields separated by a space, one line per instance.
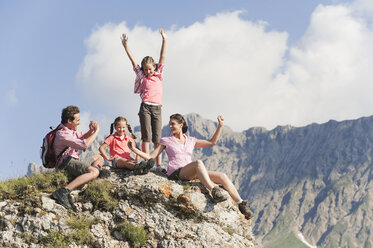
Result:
x=178 y=154
x=69 y=138
x=149 y=88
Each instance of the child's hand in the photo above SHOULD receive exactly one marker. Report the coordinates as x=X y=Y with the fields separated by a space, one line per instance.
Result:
x=220 y=120
x=164 y=36
x=112 y=158
x=124 y=39
x=129 y=144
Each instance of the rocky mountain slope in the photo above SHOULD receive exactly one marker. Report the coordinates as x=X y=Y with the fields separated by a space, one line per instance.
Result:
x=124 y=210
x=312 y=183
x=314 y=180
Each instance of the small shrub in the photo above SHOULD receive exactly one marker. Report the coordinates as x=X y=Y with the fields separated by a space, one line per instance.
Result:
x=186 y=186
x=80 y=234
x=81 y=225
x=229 y=230
x=56 y=239
x=136 y=235
x=98 y=193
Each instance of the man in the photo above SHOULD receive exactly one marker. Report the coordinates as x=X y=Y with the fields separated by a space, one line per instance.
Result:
x=69 y=141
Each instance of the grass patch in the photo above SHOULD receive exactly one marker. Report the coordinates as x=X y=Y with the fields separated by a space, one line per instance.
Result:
x=288 y=241
x=47 y=182
x=56 y=239
x=80 y=234
x=99 y=194
x=229 y=230
x=81 y=225
x=135 y=235
x=186 y=187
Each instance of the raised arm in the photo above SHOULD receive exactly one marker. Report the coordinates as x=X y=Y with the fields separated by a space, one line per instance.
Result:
x=215 y=137
x=163 y=48
x=124 y=39
x=91 y=135
x=144 y=155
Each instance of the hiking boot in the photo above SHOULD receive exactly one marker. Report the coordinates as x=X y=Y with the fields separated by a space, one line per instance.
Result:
x=159 y=169
x=244 y=209
x=150 y=163
x=217 y=194
x=140 y=166
x=62 y=197
x=104 y=173
x=71 y=202
x=144 y=167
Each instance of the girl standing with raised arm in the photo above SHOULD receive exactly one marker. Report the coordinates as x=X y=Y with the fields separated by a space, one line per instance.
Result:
x=179 y=149
x=149 y=85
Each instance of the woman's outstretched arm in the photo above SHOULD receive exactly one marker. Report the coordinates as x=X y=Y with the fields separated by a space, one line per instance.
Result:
x=215 y=137
x=146 y=156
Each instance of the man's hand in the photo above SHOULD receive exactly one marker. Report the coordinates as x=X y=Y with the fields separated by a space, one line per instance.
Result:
x=220 y=120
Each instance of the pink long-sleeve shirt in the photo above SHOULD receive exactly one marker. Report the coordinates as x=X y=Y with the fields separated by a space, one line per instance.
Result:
x=149 y=88
x=74 y=140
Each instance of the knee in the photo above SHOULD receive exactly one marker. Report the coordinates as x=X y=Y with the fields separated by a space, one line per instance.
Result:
x=94 y=172
x=199 y=164
x=98 y=159
x=224 y=177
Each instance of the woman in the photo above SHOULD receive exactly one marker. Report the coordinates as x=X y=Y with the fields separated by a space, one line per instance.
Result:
x=179 y=149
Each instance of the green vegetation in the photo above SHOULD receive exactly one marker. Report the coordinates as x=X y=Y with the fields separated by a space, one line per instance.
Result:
x=99 y=193
x=18 y=188
x=186 y=186
x=136 y=235
x=26 y=190
x=289 y=241
x=56 y=239
x=229 y=230
x=80 y=234
x=81 y=225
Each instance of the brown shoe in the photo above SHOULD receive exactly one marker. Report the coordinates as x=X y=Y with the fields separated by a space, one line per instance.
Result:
x=217 y=194
x=244 y=209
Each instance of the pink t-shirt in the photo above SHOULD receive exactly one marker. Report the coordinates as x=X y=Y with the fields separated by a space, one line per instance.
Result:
x=149 y=88
x=69 y=138
x=178 y=154
x=119 y=146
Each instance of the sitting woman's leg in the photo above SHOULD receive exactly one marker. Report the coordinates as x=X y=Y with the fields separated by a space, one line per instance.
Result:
x=222 y=178
x=196 y=169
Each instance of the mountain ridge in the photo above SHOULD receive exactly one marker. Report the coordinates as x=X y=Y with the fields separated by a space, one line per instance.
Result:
x=315 y=180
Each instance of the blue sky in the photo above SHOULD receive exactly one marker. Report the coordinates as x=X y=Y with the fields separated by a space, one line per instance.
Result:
x=297 y=62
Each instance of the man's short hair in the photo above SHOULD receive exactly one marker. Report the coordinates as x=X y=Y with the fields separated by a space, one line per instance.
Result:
x=68 y=113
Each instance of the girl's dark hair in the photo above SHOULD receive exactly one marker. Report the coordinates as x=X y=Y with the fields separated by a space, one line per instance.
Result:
x=68 y=113
x=118 y=119
x=180 y=119
x=148 y=60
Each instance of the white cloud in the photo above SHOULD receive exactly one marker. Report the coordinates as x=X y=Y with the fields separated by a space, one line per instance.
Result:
x=239 y=68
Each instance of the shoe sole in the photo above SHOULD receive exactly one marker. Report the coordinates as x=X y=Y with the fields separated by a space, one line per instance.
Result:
x=56 y=197
x=150 y=163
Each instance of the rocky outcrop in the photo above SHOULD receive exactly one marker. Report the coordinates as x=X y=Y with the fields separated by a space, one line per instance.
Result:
x=314 y=180
x=169 y=214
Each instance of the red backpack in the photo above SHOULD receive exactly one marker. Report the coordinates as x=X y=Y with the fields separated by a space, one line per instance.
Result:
x=48 y=157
